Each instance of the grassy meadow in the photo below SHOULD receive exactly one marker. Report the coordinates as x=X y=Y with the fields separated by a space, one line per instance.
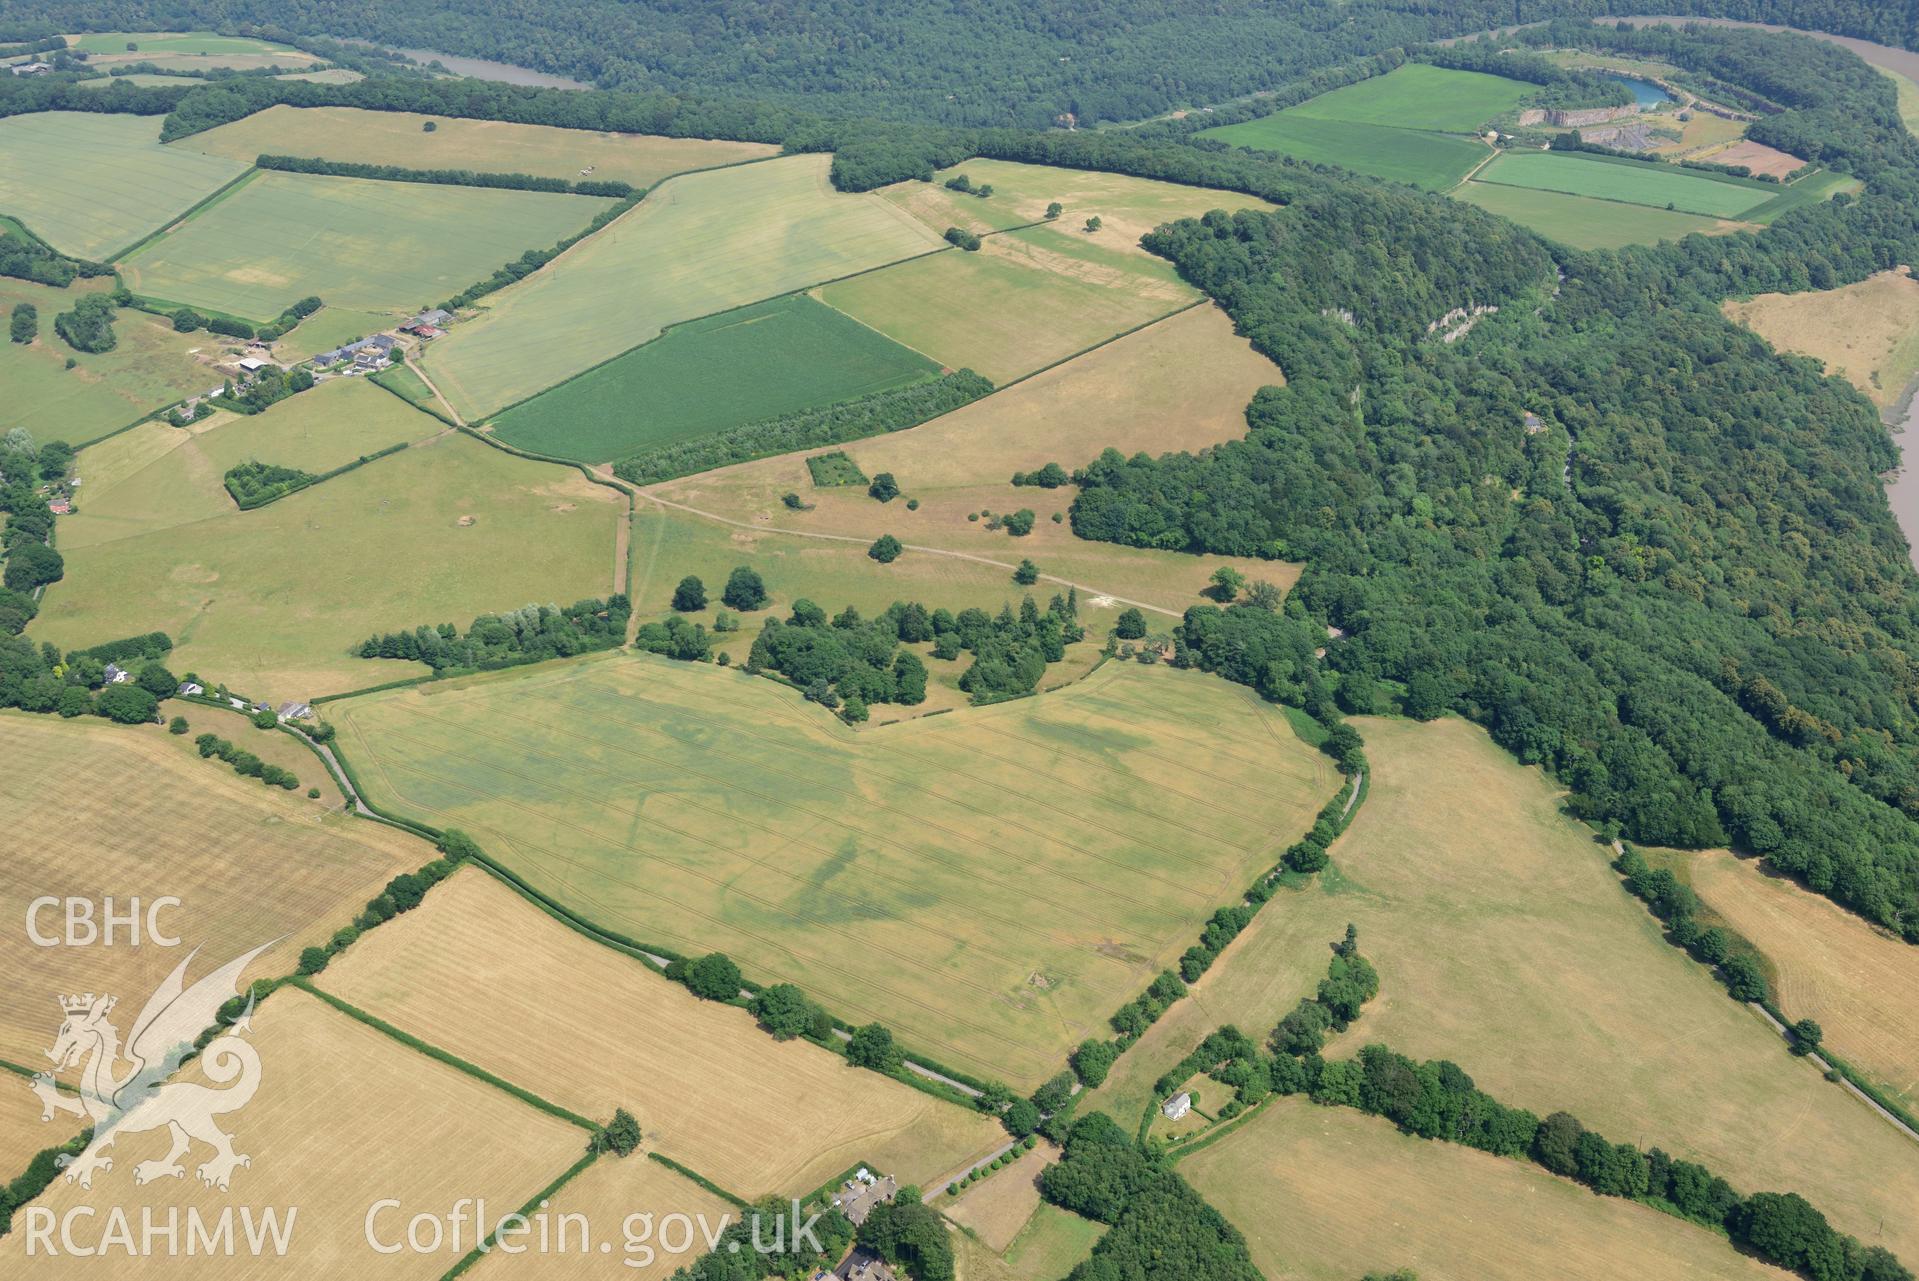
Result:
x=149 y=366
x=990 y=884
x=1859 y=984
x=177 y=825
x=474 y=971
x=91 y=184
x=1588 y=223
x=708 y=375
x=1866 y=333
x=1419 y=96
x=330 y=328
x=1128 y=207
x=1180 y=384
x=159 y=476
x=436 y=534
x=358 y=243
x=1052 y=1244
x=699 y=244
x=998 y=1208
x=1435 y=162
x=400 y=138
x=1325 y=1194
x=189 y=43
x=1658 y=186
x=344 y=1117
x=1505 y=942
x=1025 y=300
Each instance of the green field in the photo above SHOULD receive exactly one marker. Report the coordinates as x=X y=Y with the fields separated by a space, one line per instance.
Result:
x=1025 y=300
x=698 y=244
x=990 y=884
x=273 y=600
x=401 y=138
x=708 y=375
x=148 y=367
x=329 y=328
x=142 y=80
x=1586 y=223
x=1656 y=186
x=1432 y=161
x=176 y=42
x=91 y=184
x=357 y=243
x=1418 y=96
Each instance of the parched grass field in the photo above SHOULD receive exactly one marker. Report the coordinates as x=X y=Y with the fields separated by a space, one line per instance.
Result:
x=1128 y=207
x=607 y=1193
x=1628 y=182
x=435 y=534
x=699 y=244
x=990 y=884
x=1183 y=383
x=93 y=809
x=705 y=376
x=1866 y=333
x=344 y=1117
x=1419 y=96
x=1435 y=162
x=1585 y=222
x=999 y=1207
x=1859 y=984
x=1052 y=1244
x=149 y=366
x=358 y=243
x=1505 y=943
x=482 y=973
x=1325 y=1194
x=158 y=476
x=1025 y=300
x=92 y=184
x=399 y=138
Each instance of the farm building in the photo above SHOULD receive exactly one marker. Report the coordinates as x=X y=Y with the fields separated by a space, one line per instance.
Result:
x=191 y=689
x=435 y=319
x=1178 y=1106
x=59 y=505
x=295 y=711
x=857 y=1197
x=32 y=68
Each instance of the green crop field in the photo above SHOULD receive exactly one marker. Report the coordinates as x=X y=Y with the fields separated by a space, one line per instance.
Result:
x=699 y=244
x=92 y=184
x=739 y=366
x=274 y=599
x=1427 y=160
x=1587 y=223
x=177 y=42
x=149 y=366
x=991 y=885
x=1024 y=300
x=1418 y=96
x=1651 y=184
x=357 y=243
x=141 y=79
x=400 y=138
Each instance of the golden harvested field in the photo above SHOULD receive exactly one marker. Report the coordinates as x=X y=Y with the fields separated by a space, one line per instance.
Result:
x=998 y=1207
x=478 y=971
x=398 y=138
x=1024 y=300
x=93 y=809
x=435 y=534
x=698 y=244
x=1505 y=943
x=608 y=1193
x=1127 y=207
x=991 y=884
x=1867 y=333
x=1325 y=1194
x=344 y=1117
x=1183 y=383
x=1860 y=985
x=23 y=1135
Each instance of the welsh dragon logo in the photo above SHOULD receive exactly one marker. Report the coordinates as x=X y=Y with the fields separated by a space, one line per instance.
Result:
x=140 y=1098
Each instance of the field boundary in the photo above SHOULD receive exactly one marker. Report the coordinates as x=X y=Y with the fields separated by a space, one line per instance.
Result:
x=687 y=1172
x=188 y=215
x=447 y=1057
x=324 y=477
x=526 y=1211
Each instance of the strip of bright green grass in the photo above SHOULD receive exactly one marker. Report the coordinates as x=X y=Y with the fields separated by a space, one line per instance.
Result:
x=708 y=375
x=1425 y=160
x=1583 y=222
x=1418 y=96
x=1656 y=186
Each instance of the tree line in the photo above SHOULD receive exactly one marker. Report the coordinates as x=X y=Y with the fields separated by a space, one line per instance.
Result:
x=443 y=177
x=530 y=634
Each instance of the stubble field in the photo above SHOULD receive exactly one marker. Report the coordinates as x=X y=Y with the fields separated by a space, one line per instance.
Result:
x=1866 y=333
x=990 y=884
x=480 y=972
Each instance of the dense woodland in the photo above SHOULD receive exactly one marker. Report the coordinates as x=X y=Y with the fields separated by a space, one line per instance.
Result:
x=1000 y=62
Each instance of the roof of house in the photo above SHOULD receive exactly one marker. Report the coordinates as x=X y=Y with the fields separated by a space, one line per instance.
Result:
x=294 y=711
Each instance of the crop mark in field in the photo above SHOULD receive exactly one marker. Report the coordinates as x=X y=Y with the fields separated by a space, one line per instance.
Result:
x=1099 y=699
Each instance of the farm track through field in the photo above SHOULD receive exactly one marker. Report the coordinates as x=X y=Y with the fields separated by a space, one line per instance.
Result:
x=911 y=547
